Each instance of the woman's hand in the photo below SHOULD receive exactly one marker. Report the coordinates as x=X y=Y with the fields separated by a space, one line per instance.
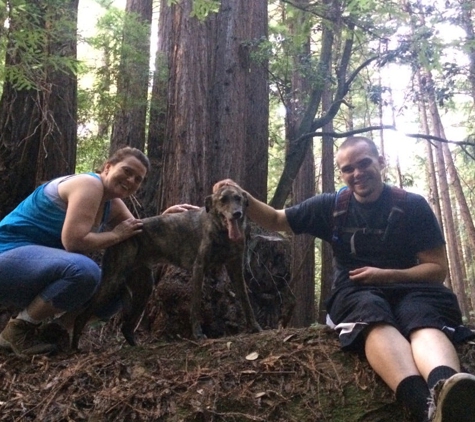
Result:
x=180 y=208
x=127 y=228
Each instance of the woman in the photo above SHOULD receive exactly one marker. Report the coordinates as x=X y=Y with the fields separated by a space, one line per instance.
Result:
x=42 y=242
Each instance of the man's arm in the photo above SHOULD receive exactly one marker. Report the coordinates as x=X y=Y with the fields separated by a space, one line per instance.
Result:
x=266 y=216
x=259 y=212
x=432 y=267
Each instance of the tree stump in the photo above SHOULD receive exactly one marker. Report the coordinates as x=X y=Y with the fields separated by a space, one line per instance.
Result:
x=267 y=274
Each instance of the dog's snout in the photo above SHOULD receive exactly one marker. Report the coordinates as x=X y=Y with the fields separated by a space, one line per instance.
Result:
x=237 y=215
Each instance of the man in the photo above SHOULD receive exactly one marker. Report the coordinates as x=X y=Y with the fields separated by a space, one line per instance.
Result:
x=388 y=298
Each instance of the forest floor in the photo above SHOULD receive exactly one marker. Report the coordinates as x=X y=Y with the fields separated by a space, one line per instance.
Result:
x=278 y=375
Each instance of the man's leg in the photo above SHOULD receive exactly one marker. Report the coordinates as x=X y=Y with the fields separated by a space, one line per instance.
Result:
x=389 y=354
x=452 y=392
x=431 y=348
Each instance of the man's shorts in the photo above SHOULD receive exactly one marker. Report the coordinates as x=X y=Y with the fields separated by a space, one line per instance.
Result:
x=408 y=307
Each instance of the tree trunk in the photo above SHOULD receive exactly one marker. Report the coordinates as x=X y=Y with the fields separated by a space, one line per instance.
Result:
x=426 y=86
x=57 y=154
x=217 y=113
x=37 y=110
x=309 y=123
x=213 y=124
x=303 y=251
x=150 y=193
x=328 y=185
x=466 y=17
x=132 y=85
x=454 y=258
x=303 y=246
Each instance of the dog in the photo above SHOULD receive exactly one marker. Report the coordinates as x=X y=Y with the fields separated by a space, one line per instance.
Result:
x=194 y=240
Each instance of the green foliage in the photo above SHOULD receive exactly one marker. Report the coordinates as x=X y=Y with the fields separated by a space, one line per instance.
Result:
x=97 y=100
x=201 y=8
x=277 y=146
x=35 y=34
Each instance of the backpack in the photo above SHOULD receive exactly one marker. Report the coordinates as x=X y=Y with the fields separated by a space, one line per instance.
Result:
x=340 y=211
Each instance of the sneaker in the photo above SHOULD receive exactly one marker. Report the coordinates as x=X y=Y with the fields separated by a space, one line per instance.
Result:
x=21 y=337
x=453 y=399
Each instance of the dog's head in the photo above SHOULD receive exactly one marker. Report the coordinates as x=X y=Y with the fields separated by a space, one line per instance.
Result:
x=229 y=203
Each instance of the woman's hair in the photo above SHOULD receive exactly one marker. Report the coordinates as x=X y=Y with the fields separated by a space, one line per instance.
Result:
x=125 y=152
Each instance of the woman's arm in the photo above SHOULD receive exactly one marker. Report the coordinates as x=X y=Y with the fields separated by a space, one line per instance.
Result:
x=84 y=197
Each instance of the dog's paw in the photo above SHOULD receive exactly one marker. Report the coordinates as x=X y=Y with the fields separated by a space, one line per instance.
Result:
x=197 y=333
x=255 y=328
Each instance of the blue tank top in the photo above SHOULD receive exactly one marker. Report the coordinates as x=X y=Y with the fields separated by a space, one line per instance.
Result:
x=36 y=221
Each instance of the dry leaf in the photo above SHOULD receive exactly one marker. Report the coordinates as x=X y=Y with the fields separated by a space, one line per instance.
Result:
x=252 y=356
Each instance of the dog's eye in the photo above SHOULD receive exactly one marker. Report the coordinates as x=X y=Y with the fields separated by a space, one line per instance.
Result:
x=237 y=198
x=223 y=199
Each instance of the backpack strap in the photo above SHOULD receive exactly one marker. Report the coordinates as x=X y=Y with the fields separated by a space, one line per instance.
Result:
x=398 y=199
x=340 y=212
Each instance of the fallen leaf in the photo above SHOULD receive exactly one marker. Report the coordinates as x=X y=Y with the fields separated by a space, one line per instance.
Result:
x=252 y=356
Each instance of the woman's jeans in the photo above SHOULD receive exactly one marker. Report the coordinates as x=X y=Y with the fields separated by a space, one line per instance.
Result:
x=65 y=279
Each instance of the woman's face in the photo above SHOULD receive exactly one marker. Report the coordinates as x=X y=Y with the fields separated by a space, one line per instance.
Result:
x=123 y=178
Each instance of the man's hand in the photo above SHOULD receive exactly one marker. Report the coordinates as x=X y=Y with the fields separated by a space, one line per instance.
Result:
x=370 y=275
x=225 y=182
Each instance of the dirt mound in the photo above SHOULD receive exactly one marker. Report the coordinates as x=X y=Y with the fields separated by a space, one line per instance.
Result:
x=278 y=375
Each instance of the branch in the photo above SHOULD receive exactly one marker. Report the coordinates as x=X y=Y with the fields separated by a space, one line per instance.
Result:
x=371 y=128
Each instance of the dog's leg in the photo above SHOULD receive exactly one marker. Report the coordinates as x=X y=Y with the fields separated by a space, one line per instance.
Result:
x=114 y=262
x=234 y=267
x=79 y=324
x=197 y=294
x=139 y=286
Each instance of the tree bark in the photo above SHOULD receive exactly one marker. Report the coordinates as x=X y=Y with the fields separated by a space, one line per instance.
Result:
x=328 y=185
x=466 y=17
x=57 y=154
x=210 y=108
x=217 y=114
x=132 y=85
x=454 y=258
x=303 y=246
x=37 y=112
x=309 y=123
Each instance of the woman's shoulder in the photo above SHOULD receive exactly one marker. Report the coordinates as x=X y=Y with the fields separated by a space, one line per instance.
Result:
x=81 y=178
x=81 y=185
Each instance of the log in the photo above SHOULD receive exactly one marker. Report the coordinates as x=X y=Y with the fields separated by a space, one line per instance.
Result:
x=290 y=375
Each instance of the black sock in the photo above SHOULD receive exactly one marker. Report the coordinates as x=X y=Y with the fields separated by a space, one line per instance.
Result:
x=414 y=394
x=439 y=373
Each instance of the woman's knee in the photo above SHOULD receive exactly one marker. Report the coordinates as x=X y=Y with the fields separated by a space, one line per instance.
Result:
x=81 y=277
x=86 y=269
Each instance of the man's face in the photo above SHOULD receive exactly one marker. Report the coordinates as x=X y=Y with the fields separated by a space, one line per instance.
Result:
x=360 y=170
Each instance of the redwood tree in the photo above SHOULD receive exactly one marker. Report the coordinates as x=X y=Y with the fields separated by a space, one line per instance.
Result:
x=37 y=107
x=215 y=113
x=133 y=78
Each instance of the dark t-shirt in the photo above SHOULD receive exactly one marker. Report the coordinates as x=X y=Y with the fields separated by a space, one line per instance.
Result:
x=416 y=230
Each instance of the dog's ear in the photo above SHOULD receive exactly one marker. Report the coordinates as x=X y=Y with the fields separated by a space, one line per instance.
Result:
x=208 y=202
x=246 y=199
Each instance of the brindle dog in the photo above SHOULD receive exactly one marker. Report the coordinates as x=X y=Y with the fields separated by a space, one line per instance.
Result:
x=195 y=240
